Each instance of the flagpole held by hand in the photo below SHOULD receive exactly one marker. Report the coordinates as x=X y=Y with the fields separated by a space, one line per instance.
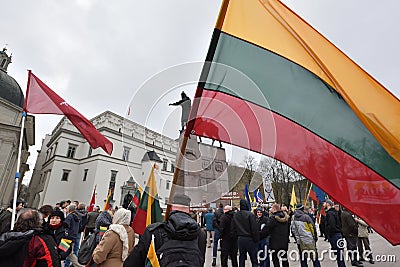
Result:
x=17 y=174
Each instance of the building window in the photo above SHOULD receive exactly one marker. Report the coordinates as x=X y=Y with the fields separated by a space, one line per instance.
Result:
x=113 y=179
x=90 y=151
x=3 y=63
x=166 y=201
x=55 y=148
x=85 y=172
x=172 y=168
x=65 y=175
x=71 y=151
x=165 y=165
x=125 y=155
x=167 y=185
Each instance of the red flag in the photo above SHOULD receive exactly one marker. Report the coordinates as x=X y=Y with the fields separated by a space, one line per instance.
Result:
x=40 y=99
x=92 y=201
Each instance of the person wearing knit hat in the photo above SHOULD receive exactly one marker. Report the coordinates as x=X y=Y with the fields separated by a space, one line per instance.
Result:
x=117 y=242
x=305 y=234
x=59 y=214
x=56 y=226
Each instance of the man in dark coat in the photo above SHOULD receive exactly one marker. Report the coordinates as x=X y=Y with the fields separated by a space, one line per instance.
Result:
x=5 y=216
x=350 y=233
x=72 y=224
x=263 y=244
x=333 y=229
x=215 y=223
x=245 y=226
x=228 y=238
x=185 y=240
x=278 y=229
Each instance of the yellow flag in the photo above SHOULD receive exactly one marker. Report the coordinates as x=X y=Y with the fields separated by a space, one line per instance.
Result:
x=293 y=198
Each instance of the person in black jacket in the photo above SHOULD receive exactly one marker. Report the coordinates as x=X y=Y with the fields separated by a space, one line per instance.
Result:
x=228 y=238
x=277 y=228
x=263 y=244
x=72 y=224
x=245 y=226
x=350 y=233
x=333 y=229
x=56 y=227
x=215 y=223
x=178 y=239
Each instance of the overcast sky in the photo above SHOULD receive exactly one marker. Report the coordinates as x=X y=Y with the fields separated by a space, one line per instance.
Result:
x=97 y=54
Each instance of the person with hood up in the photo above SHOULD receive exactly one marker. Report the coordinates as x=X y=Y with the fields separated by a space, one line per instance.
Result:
x=245 y=226
x=277 y=228
x=117 y=242
x=305 y=234
x=178 y=241
x=228 y=238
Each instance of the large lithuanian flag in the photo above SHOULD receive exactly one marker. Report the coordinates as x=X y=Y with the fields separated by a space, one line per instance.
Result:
x=274 y=85
x=149 y=210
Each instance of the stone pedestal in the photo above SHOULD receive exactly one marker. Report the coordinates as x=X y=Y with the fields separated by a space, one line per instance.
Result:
x=203 y=176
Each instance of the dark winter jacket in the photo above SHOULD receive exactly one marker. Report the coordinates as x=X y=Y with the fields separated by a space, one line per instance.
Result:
x=5 y=220
x=72 y=222
x=33 y=248
x=92 y=217
x=226 y=233
x=83 y=216
x=244 y=222
x=103 y=220
x=278 y=229
x=349 y=225
x=58 y=234
x=262 y=226
x=217 y=217
x=179 y=225
x=333 y=223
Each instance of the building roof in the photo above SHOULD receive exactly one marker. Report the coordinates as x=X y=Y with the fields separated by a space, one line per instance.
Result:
x=10 y=90
x=151 y=156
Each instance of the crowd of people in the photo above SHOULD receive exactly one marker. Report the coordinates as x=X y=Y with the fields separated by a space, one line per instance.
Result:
x=67 y=233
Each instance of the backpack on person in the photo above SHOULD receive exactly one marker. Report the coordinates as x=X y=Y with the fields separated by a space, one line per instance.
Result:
x=86 y=249
x=175 y=252
x=179 y=253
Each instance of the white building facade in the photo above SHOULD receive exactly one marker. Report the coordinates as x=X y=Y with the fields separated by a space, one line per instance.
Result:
x=68 y=168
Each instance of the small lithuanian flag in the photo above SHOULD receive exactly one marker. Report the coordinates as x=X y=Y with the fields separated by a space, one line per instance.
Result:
x=103 y=230
x=64 y=244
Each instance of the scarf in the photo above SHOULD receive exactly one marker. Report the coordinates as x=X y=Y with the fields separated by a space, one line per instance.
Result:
x=122 y=217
